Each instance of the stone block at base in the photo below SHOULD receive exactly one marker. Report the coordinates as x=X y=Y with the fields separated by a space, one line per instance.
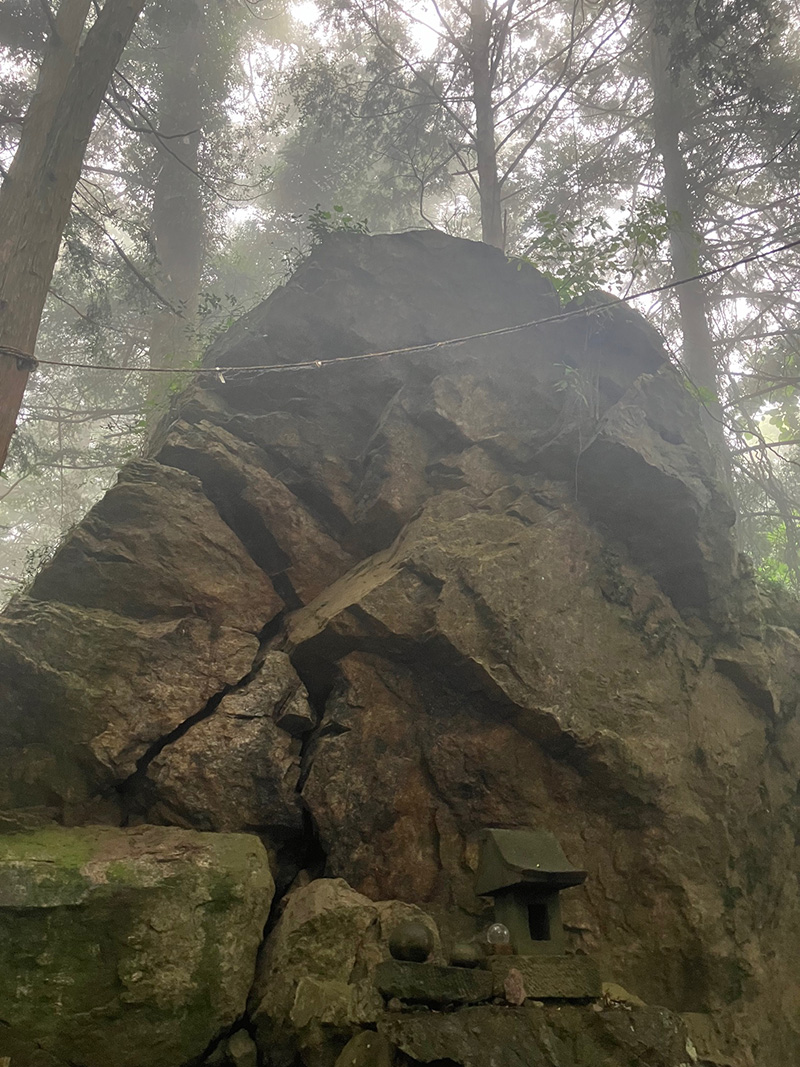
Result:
x=431 y=984
x=548 y=977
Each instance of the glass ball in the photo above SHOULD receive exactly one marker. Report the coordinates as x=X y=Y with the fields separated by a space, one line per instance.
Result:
x=497 y=934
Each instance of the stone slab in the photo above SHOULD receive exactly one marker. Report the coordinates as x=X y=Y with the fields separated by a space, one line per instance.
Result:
x=568 y=1035
x=550 y=977
x=433 y=984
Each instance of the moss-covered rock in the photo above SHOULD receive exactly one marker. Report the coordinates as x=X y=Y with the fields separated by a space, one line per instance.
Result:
x=126 y=948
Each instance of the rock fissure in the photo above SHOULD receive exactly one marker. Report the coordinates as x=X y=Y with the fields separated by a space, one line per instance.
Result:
x=133 y=789
x=130 y=787
x=238 y=514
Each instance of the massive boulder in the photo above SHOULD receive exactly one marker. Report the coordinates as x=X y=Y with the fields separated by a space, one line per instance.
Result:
x=421 y=553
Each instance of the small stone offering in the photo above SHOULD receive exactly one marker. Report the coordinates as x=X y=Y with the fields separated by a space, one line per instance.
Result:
x=514 y=988
x=467 y=954
x=411 y=941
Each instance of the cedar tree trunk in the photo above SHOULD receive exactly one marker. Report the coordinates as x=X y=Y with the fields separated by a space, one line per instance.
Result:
x=485 y=146
x=178 y=215
x=36 y=195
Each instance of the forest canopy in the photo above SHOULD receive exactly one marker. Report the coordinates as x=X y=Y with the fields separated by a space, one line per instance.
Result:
x=642 y=148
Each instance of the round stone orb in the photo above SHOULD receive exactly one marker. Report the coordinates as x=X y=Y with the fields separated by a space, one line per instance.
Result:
x=412 y=941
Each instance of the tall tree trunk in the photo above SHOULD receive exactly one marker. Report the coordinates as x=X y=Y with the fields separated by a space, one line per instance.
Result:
x=669 y=120
x=485 y=144
x=178 y=215
x=36 y=195
x=685 y=241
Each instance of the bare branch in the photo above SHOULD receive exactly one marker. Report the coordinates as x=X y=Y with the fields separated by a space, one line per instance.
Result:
x=13 y=486
x=374 y=27
x=51 y=19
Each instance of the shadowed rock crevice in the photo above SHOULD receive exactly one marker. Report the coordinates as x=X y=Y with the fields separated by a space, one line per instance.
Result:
x=242 y=517
x=131 y=788
x=217 y=1054
x=128 y=555
x=136 y=791
x=282 y=537
x=678 y=528
x=743 y=679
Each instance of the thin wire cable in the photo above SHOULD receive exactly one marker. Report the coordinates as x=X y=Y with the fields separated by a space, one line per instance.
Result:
x=311 y=364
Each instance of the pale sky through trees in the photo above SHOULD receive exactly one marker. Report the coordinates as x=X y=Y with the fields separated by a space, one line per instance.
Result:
x=371 y=109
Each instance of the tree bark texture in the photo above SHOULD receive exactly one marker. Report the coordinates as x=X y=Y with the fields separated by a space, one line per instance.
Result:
x=489 y=186
x=669 y=120
x=36 y=196
x=685 y=241
x=178 y=213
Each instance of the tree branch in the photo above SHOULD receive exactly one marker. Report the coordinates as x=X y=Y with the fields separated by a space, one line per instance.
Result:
x=51 y=19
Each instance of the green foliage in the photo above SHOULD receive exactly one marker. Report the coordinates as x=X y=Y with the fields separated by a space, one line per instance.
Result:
x=773 y=568
x=784 y=419
x=704 y=396
x=217 y=312
x=579 y=389
x=321 y=224
x=579 y=257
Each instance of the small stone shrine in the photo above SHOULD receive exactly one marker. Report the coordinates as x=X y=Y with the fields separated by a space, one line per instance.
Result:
x=524 y=871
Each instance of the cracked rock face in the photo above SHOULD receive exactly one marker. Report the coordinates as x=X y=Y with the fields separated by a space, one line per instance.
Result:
x=539 y=1037
x=239 y=768
x=366 y=610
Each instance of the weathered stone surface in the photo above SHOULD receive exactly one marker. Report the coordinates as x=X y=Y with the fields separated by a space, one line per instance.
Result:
x=613 y=993
x=379 y=427
x=281 y=534
x=238 y=769
x=367 y=1049
x=126 y=948
x=129 y=556
x=649 y=475
x=241 y=1049
x=85 y=693
x=562 y=682
x=314 y=986
x=354 y=294
x=150 y=608
x=433 y=984
x=549 y=977
x=540 y=1037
